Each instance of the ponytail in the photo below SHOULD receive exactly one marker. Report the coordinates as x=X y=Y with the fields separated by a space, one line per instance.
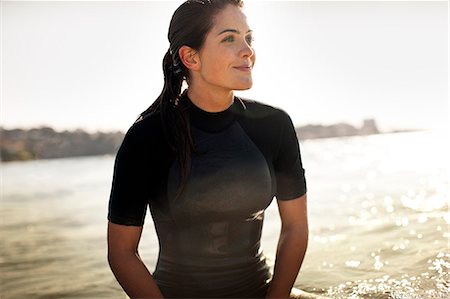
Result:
x=174 y=116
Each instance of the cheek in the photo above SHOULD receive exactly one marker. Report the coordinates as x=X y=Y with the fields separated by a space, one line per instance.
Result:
x=218 y=65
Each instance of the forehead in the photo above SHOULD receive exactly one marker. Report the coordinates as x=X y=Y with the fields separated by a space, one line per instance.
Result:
x=231 y=17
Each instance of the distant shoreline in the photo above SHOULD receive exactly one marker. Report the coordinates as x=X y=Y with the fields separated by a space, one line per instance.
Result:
x=46 y=143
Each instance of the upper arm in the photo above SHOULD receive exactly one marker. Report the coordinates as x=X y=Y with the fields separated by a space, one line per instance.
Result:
x=123 y=238
x=130 y=190
x=293 y=213
x=289 y=172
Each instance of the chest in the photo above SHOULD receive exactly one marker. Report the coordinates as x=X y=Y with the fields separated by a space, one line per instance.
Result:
x=229 y=179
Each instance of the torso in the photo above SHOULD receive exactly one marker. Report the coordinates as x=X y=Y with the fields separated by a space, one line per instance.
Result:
x=210 y=235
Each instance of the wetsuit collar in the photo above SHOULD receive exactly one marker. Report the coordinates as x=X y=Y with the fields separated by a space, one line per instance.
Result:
x=210 y=121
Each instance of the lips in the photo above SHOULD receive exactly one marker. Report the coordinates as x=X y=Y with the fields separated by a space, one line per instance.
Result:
x=244 y=68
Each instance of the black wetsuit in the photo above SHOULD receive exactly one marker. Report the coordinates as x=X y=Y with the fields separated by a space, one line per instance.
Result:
x=210 y=237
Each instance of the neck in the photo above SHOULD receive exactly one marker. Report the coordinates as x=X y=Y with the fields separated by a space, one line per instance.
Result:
x=210 y=100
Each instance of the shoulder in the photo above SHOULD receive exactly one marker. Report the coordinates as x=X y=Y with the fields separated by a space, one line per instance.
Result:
x=258 y=110
x=145 y=131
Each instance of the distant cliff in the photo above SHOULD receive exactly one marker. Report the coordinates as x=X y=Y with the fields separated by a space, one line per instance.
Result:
x=46 y=143
x=337 y=130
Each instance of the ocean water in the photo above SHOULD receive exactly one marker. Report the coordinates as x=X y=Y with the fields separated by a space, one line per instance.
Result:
x=378 y=209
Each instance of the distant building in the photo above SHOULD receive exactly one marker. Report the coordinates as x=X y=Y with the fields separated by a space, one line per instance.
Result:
x=369 y=127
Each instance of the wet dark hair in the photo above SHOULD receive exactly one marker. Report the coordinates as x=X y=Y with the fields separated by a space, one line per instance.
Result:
x=189 y=26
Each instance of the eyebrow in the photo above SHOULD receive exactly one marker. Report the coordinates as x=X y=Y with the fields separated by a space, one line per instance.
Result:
x=232 y=30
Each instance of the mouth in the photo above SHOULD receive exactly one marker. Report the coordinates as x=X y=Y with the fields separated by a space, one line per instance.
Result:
x=244 y=68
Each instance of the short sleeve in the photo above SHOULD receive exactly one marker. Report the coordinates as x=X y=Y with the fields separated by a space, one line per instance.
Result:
x=289 y=172
x=130 y=190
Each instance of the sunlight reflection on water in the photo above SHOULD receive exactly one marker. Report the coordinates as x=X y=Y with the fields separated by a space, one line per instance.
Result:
x=377 y=207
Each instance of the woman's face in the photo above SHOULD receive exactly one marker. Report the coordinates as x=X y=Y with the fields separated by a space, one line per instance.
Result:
x=227 y=57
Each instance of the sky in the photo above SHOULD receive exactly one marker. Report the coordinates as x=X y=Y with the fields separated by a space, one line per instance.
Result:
x=97 y=65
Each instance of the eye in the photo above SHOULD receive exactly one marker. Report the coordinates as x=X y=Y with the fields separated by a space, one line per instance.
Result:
x=250 y=39
x=228 y=39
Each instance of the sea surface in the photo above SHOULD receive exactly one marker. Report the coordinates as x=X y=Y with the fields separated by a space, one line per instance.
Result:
x=378 y=209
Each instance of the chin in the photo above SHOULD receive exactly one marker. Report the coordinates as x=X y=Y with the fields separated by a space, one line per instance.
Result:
x=243 y=88
x=244 y=85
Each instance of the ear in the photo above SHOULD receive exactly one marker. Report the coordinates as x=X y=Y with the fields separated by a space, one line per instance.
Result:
x=189 y=57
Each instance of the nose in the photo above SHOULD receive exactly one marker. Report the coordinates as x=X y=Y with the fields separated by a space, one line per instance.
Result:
x=246 y=50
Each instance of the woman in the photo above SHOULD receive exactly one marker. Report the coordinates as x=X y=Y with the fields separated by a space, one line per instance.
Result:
x=208 y=164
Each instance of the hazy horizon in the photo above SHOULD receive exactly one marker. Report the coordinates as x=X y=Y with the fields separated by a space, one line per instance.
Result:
x=93 y=131
x=97 y=65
